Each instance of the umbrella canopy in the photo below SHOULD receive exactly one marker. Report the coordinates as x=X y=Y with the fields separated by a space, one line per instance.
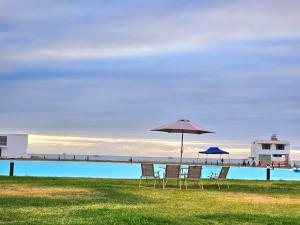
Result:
x=182 y=126
x=214 y=150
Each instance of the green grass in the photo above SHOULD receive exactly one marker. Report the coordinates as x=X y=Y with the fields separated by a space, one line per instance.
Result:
x=30 y=200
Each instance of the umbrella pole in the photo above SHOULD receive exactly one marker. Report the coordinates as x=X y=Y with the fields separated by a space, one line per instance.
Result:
x=181 y=152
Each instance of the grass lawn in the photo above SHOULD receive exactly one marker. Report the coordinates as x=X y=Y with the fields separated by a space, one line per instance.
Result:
x=31 y=200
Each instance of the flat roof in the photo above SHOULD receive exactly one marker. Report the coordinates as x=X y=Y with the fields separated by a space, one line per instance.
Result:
x=272 y=142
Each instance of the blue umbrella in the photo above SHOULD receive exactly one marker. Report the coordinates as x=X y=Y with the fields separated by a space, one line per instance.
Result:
x=213 y=151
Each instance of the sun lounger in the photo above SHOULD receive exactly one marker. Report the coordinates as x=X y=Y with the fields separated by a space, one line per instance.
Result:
x=194 y=174
x=221 y=176
x=172 y=172
x=148 y=173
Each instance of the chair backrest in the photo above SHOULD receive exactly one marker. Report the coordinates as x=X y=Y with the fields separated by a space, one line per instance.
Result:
x=172 y=171
x=194 y=172
x=224 y=172
x=147 y=170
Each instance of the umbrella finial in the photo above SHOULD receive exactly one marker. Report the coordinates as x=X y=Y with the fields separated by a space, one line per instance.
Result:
x=183 y=120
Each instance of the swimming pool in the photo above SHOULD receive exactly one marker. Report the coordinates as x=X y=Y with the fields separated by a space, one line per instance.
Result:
x=127 y=170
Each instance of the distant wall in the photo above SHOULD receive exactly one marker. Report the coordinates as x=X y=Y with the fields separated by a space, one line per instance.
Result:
x=16 y=146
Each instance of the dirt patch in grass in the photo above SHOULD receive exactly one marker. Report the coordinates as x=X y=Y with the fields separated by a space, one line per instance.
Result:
x=260 y=199
x=50 y=192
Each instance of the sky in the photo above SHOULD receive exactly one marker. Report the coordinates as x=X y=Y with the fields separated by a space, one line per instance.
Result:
x=95 y=76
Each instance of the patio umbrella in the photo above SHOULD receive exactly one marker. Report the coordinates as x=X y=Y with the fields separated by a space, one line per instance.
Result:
x=182 y=126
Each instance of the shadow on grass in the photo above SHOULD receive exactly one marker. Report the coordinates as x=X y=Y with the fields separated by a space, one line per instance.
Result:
x=91 y=216
x=122 y=216
x=244 y=218
x=275 y=187
x=136 y=216
x=258 y=187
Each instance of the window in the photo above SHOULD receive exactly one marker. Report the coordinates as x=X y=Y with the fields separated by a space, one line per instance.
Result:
x=277 y=155
x=264 y=157
x=3 y=140
x=279 y=147
x=266 y=146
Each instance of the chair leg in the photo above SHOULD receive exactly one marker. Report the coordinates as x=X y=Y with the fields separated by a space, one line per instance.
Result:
x=165 y=181
x=202 y=184
x=218 y=184
x=186 y=184
x=140 y=182
x=180 y=184
x=227 y=185
x=158 y=180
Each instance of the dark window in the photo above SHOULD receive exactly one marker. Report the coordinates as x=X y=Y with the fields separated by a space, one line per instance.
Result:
x=266 y=146
x=279 y=147
x=3 y=140
x=277 y=155
x=264 y=157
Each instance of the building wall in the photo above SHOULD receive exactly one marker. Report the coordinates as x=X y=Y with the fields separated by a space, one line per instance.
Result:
x=256 y=150
x=16 y=147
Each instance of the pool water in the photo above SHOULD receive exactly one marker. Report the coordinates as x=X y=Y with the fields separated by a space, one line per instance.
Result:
x=128 y=170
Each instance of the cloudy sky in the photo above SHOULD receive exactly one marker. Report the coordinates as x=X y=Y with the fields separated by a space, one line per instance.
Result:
x=95 y=76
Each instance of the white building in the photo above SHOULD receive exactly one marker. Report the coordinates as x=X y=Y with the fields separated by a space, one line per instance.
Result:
x=273 y=150
x=14 y=146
